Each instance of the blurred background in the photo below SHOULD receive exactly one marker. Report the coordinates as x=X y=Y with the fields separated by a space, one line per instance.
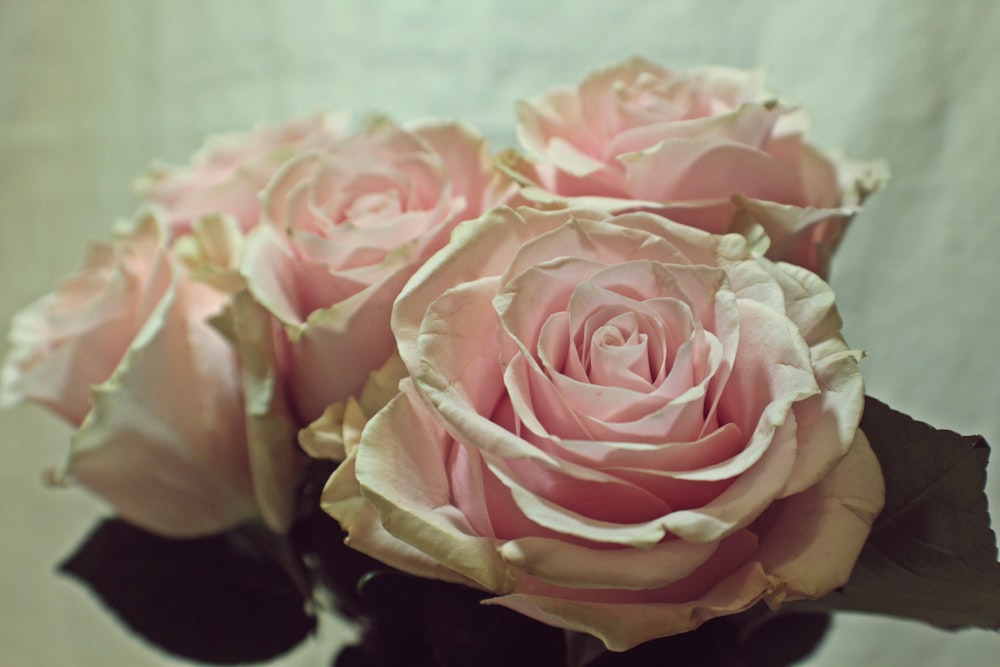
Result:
x=90 y=92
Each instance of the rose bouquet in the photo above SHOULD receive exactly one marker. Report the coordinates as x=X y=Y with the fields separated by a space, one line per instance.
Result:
x=594 y=394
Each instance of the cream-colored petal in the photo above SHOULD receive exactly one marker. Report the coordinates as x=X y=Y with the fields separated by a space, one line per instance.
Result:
x=342 y=499
x=813 y=539
x=337 y=432
x=827 y=422
x=275 y=459
x=405 y=480
x=567 y=564
x=478 y=248
x=623 y=625
x=327 y=437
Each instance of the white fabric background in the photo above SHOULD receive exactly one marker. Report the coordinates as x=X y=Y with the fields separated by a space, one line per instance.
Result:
x=92 y=91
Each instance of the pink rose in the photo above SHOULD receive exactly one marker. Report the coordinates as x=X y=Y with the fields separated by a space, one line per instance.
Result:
x=619 y=425
x=124 y=351
x=342 y=231
x=707 y=148
x=229 y=171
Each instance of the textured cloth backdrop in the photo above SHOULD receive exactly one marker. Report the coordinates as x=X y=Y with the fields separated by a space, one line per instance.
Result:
x=92 y=91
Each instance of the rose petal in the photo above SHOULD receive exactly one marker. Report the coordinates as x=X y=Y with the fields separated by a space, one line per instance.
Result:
x=751 y=492
x=565 y=564
x=585 y=238
x=406 y=484
x=543 y=116
x=814 y=540
x=560 y=520
x=72 y=339
x=467 y=161
x=772 y=364
x=828 y=420
x=342 y=499
x=275 y=463
x=750 y=124
x=693 y=169
x=622 y=623
x=805 y=236
x=164 y=442
x=479 y=247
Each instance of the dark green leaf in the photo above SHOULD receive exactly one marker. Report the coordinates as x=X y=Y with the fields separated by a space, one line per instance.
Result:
x=213 y=599
x=931 y=555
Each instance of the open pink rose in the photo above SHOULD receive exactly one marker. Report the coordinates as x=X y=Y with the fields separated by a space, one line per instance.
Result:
x=125 y=352
x=619 y=424
x=707 y=148
x=229 y=171
x=342 y=231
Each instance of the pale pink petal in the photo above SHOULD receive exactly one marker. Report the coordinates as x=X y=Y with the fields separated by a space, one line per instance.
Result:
x=468 y=163
x=751 y=491
x=693 y=169
x=565 y=564
x=459 y=332
x=588 y=492
x=827 y=421
x=622 y=621
x=647 y=419
x=164 y=443
x=550 y=515
x=469 y=489
x=809 y=303
x=689 y=245
x=552 y=114
x=270 y=269
x=333 y=433
x=750 y=124
x=524 y=302
x=557 y=352
x=212 y=252
x=617 y=360
x=480 y=247
x=803 y=236
x=274 y=198
x=228 y=172
x=772 y=365
x=73 y=338
x=343 y=500
x=406 y=483
x=598 y=91
x=814 y=538
x=626 y=457
x=588 y=236
x=329 y=360
x=540 y=406
x=710 y=215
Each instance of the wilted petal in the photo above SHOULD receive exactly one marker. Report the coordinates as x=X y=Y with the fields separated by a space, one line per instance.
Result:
x=275 y=461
